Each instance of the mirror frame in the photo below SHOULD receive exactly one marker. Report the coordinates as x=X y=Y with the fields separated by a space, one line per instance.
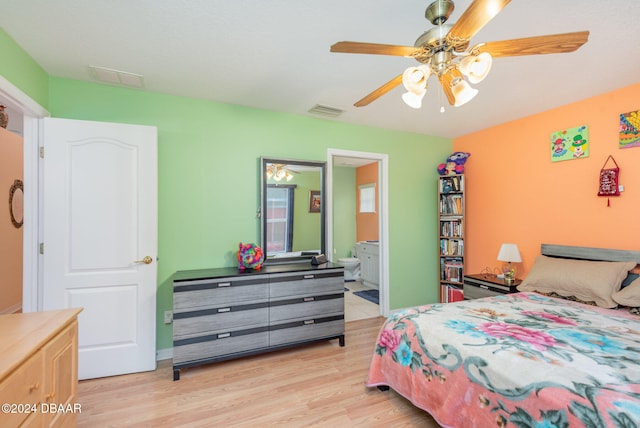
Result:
x=263 y=207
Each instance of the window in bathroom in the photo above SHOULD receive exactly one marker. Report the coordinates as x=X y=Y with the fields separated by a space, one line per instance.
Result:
x=368 y=198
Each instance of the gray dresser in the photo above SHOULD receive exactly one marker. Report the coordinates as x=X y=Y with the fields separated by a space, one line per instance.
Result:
x=225 y=313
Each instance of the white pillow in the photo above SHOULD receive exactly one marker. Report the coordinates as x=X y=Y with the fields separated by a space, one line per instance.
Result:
x=586 y=280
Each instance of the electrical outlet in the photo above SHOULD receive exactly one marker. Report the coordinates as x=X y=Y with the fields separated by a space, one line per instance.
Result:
x=621 y=187
x=168 y=317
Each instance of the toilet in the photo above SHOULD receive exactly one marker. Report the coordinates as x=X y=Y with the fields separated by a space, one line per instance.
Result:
x=351 y=268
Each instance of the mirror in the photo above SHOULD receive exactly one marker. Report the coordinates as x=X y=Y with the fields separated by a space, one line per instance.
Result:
x=16 y=203
x=292 y=210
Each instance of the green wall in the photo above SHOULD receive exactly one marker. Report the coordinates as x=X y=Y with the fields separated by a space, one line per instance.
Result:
x=22 y=71
x=344 y=211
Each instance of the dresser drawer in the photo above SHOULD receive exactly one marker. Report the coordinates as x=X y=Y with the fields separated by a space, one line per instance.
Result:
x=220 y=319
x=309 y=329
x=224 y=291
x=306 y=283
x=306 y=307
x=23 y=388
x=216 y=345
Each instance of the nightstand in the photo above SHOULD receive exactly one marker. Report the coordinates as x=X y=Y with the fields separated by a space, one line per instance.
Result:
x=486 y=285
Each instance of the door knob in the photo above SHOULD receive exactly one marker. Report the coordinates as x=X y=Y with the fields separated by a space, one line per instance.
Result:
x=147 y=260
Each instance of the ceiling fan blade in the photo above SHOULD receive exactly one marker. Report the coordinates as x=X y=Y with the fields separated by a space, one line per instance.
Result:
x=445 y=82
x=477 y=15
x=553 y=43
x=372 y=48
x=391 y=84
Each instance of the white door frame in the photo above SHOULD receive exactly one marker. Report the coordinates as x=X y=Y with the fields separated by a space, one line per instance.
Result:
x=32 y=115
x=383 y=219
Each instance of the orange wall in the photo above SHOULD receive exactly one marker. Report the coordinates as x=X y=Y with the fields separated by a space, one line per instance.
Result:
x=516 y=194
x=10 y=237
x=366 y=223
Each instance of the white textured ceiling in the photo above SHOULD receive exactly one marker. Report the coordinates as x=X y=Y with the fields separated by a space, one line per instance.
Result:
x=275 y=54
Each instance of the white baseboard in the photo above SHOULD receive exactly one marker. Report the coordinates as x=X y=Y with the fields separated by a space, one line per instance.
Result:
x=164 y=354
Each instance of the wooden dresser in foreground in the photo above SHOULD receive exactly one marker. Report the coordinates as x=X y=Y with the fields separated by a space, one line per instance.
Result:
x=39 y=369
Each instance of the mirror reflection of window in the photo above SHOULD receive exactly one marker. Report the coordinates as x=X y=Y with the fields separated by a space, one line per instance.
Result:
x=368 y=198
x=280 y=218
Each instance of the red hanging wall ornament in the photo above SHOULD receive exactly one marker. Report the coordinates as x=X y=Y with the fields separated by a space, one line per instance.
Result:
x=609 y=177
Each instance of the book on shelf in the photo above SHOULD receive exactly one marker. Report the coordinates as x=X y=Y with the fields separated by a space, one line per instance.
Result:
x=451 y=204
x=451 y=228
x=454 y=294
x=451 y=183
x=451 y=247
x=451 y=269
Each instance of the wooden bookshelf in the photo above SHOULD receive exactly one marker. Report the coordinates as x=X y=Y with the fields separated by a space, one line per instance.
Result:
x=451 y=214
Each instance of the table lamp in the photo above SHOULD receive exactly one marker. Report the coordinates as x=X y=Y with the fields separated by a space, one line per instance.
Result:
x=509 y=253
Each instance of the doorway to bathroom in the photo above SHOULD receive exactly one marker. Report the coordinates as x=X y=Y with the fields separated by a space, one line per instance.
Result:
x=357 y=229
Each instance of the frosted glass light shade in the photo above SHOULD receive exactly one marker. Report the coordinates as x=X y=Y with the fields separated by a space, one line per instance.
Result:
x=463 y=93
x=476 y=68
x=509 y=253
x=412 y=99
x=414 y=79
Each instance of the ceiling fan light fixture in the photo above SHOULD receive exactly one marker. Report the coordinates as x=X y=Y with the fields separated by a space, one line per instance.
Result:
x=413 y=99
x=414 y=79
x=462 y=92
x=476 y=67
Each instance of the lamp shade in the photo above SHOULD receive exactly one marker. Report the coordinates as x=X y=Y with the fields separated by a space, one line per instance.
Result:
x=509 y=253
x=413 y=99
x=414 y=79
x=476 y=67
x=462 y=92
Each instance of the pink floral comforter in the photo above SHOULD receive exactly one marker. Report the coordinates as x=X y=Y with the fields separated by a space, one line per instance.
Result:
x=518 y=360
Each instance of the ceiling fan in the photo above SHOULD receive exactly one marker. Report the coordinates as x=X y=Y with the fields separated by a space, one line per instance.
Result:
x=444 y=51
x=279 y=172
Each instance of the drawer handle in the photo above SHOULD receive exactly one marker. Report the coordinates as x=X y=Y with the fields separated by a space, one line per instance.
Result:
x=308 y=277
x=309 y=299
x=224 y=310
x=309 y=322
x=224 y=284
x=34 y=386
x=484 y=286
x=224 y=335
x=50 y=396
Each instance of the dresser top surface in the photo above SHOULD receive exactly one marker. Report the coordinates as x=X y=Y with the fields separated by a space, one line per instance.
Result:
x=187 y=275
x=24 y=334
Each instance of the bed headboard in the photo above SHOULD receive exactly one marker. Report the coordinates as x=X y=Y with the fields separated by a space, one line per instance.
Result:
x=588 y=253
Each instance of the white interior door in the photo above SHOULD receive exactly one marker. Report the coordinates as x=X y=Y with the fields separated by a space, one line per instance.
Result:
x=99 y=222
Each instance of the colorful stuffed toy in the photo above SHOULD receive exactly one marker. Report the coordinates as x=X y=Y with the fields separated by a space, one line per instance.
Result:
x=454 y=164
x=250 y=256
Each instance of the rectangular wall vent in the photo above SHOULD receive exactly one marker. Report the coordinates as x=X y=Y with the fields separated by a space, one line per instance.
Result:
x=326 y=111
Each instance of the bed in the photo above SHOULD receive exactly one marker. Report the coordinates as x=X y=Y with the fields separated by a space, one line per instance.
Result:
x=563 y=352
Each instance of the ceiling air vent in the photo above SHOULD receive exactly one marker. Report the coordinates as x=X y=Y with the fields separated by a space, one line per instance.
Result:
x=116 y=77
x=325 y=111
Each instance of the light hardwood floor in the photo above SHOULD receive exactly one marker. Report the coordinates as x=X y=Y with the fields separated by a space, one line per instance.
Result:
x=316 y=385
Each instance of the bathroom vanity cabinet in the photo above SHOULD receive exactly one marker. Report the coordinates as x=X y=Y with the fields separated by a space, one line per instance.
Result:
x=225 y=313
x=369 y=256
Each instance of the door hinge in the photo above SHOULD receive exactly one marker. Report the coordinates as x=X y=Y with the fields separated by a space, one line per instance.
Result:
x=42 y=152
x=42 y=248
